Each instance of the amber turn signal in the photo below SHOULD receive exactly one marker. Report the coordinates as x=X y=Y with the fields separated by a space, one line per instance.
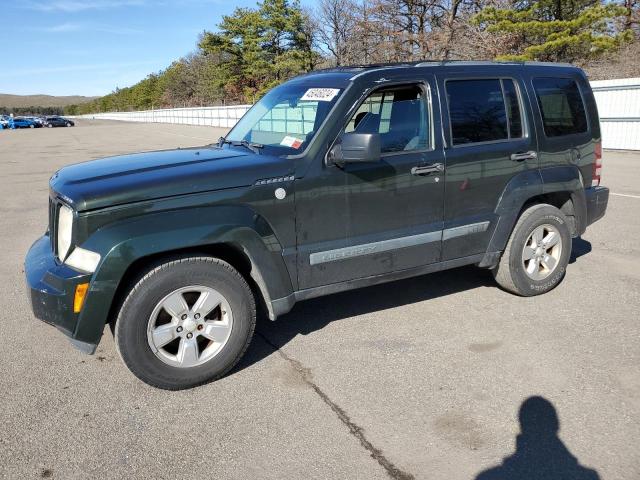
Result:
x=78 y=299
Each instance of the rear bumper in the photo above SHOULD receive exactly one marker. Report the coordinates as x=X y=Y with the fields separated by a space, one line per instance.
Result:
x=51 y=288
x=597 y=199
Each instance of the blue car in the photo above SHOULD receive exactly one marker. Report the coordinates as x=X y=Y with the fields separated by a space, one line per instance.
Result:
x=25 y=123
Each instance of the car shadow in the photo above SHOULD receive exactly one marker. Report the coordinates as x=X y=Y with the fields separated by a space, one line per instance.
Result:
x=312 y=315
x=540 y=454
x=579 y=247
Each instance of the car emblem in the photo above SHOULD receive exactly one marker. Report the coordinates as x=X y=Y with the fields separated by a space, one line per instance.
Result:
x=280 y=193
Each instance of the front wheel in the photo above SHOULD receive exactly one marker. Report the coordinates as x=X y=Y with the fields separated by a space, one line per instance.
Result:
x=185 y=323
x=536 y=256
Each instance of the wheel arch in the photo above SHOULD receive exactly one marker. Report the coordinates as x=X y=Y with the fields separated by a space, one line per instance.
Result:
x=561 y=187
x=132 y=247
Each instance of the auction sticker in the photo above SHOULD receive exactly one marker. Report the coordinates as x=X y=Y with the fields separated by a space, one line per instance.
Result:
x=292 y=142
x=320 y=94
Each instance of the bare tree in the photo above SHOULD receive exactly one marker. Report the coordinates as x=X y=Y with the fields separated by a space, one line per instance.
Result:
x=337 y=26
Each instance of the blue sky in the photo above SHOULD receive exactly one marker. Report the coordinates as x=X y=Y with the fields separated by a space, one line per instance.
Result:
x=89 y=47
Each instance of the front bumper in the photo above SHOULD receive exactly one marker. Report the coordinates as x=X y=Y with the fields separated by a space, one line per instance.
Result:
x=597 y=199
x=51 y=287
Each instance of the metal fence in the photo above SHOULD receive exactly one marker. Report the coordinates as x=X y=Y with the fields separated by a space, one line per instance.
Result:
x=618 y=105
x=225 y=117
x=619 y=108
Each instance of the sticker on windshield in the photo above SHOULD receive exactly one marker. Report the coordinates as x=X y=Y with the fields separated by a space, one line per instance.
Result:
x=292 y=142
x=320 y=94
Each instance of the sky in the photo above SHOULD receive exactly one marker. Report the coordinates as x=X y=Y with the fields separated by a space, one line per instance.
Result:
x=90 y=47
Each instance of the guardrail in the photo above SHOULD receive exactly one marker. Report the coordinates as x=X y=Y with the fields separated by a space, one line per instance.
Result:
x=618 y=105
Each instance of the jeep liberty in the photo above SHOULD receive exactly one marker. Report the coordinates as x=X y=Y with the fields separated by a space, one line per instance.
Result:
x=334 y=180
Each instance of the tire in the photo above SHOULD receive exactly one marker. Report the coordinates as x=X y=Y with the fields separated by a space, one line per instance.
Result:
x=518 y=275
x=135 y=324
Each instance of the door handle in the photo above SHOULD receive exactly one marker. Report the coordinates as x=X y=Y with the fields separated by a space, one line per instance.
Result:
x=427 y=169
x=521 y=156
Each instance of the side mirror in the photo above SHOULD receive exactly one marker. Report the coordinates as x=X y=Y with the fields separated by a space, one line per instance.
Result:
x=356 y=148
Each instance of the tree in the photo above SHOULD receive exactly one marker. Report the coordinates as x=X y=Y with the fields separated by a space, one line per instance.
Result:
x=337 y=26
x=557 y=30
x=260 y=48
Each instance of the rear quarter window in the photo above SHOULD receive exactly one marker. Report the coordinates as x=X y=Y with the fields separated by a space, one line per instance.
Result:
x=561 y=106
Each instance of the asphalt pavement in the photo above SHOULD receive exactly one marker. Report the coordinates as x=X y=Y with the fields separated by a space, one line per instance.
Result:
x=444 y=376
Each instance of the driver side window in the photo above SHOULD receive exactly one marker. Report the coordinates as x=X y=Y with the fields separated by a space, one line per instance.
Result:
x=399 y=115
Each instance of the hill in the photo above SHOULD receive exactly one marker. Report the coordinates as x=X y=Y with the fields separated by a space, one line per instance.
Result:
x=22 y=101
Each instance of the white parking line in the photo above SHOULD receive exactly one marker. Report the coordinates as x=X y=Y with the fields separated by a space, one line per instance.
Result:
x=625 y=195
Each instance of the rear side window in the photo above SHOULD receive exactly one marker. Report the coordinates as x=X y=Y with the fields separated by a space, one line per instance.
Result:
x=483 y=110
x=561 y=105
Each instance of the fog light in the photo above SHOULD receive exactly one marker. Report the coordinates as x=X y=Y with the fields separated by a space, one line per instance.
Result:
x=78 y=299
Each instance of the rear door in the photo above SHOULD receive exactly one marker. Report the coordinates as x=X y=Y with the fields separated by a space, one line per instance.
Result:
x=567 y=134
x=490 y=139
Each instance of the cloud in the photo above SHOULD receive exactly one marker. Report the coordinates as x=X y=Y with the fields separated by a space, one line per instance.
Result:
x=70 y=6
x=88 y=27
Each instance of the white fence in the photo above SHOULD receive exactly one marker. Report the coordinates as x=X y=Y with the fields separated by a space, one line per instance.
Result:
x=619 y=108
x=225 y=117
x=618 y=105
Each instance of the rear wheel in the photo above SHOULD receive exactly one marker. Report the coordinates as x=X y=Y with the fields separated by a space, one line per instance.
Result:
x=537 y=254
x=185 y=323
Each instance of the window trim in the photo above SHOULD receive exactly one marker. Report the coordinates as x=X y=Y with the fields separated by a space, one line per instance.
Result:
x=426 y=88
x=523 y=117
x=539 y=108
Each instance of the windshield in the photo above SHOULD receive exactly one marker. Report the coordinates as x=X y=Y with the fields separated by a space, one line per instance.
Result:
x=286 y=119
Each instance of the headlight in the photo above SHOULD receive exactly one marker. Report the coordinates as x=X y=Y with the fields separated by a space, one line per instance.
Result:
x=65 y=226
x=84 y=260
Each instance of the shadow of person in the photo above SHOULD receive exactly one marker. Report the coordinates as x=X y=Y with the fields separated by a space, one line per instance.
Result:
x=540 y=454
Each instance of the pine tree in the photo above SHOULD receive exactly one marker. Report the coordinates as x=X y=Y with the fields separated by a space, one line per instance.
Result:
x=557 y=30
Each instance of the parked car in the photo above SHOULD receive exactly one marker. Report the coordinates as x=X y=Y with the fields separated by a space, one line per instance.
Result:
x=20 y=122
x=4 y=121
x=334 y=180
x=58 y=122
x=36 y=120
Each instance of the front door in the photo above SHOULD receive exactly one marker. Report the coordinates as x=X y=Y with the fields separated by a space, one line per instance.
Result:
x=372 y=218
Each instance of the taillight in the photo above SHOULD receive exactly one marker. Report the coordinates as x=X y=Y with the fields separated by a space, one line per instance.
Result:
x=597 y=166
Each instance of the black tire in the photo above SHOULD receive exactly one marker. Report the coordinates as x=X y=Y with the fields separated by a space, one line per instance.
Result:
x=510 y=272
x=130 y=329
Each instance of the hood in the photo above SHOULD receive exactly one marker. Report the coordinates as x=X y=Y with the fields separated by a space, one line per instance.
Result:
x=146 y=176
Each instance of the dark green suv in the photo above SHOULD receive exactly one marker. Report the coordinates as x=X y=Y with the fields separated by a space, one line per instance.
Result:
x=334 y=180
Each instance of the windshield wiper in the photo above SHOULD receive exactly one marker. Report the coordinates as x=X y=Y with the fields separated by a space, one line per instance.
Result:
x=254 y=147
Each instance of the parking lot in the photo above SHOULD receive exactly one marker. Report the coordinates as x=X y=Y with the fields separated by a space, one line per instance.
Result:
x=421 y=378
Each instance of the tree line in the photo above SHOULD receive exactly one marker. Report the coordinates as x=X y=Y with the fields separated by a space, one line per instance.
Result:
x=33 y=110
x=254 y=49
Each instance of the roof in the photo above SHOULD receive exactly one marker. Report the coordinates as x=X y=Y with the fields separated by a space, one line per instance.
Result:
x=353 y=71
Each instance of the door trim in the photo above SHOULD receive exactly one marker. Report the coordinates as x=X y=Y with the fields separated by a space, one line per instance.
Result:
x=396 y=243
